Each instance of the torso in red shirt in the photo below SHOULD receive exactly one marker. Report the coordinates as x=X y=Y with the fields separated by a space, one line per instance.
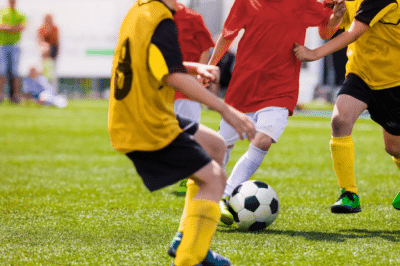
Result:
x=267 y=72
x=50 y=35
x=193 y=36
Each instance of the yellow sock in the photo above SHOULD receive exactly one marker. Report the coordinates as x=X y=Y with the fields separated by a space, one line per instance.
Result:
x=342 y=149
x=397 y=162
x=200 y=225
x=192 y=190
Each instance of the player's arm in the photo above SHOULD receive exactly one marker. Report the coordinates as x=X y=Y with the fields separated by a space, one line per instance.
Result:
x=204 y=57
x=327 y=31
x=356 y=29
x=220 y=49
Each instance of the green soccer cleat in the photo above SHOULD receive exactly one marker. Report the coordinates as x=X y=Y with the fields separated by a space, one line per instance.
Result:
x=396 y=202
x=226 y=215
x=348 y=202
x=182 y=188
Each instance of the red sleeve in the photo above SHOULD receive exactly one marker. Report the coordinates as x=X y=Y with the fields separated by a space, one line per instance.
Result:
x=202 y=34
x=315 y=13
x=236 y=20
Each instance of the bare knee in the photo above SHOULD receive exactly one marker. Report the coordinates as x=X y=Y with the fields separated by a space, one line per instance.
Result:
x=341 y=126
x=216 y=149
x=393 y=150
x=211 y=180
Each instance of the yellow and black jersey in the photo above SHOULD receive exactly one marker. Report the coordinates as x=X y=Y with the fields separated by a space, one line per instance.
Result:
x=141 y=108
x=375 y=56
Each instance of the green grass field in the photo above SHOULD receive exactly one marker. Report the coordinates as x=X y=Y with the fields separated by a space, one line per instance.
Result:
x=67 y=198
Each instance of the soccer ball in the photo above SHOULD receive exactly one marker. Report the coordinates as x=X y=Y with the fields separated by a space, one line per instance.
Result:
x=254 y=205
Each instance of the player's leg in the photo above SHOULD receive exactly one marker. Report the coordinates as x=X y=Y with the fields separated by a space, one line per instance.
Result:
x=351 y=102
x=205 y=187
x=270 y=123
x=230 y=137
x=214 y=146
x=202 y=217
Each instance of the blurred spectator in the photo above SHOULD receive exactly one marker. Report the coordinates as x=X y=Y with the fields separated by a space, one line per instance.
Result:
x=12 y=23
x=48 y=38
x=37 y=88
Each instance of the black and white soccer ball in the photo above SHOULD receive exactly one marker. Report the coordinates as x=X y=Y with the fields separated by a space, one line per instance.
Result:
x=254 y=205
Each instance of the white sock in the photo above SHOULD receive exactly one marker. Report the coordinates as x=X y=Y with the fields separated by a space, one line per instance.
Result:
x=244 y=168
x=227 y=157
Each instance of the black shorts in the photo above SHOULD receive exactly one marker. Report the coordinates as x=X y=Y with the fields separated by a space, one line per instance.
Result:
x=383 y=105
x=180 y=159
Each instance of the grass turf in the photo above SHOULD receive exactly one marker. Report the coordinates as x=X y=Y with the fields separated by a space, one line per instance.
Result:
x=66 y=198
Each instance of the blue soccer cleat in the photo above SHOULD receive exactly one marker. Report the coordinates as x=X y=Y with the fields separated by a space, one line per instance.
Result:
x=212 y=258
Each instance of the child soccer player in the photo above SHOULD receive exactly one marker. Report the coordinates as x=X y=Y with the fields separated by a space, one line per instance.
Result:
x=195 y=41
x=147 y=68
x=372 y=83
x=265 y=79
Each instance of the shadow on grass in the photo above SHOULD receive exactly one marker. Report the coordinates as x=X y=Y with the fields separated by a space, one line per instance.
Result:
x=341 y=236
x=178 y=194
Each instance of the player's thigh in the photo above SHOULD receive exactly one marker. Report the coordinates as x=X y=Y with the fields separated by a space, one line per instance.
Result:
x=211 y=142
x=353 y=99
x=188 y=109
x=228 y=133
x=270 y=122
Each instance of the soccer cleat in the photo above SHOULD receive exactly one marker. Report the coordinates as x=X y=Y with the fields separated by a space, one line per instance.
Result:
x=396 y=202
x=182 y=188
x=212 y=258
x=226 y=215
x=348 y=202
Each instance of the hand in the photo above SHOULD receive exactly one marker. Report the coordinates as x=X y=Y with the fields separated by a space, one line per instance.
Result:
x=208 y=73
x=339 y=9
x=304 y=54
x=206 y=82
x=240 y=122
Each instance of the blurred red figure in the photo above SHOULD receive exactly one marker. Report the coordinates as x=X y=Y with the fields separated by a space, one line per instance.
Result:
x=48 y=38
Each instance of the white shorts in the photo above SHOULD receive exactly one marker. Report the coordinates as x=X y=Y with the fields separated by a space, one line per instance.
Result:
x=270 y=121
x=188 y=109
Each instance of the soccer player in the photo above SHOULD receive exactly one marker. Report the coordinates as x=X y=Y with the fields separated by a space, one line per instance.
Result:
x=372 y=83
x=195 y=41
x=147 y=68
x=265 y=80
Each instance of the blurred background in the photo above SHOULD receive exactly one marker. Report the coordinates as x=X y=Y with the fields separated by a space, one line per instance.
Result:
x=88 y=31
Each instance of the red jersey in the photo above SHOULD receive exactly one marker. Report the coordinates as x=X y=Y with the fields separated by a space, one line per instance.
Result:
x=266 y=71
x=193 y=35
x=50 y=35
